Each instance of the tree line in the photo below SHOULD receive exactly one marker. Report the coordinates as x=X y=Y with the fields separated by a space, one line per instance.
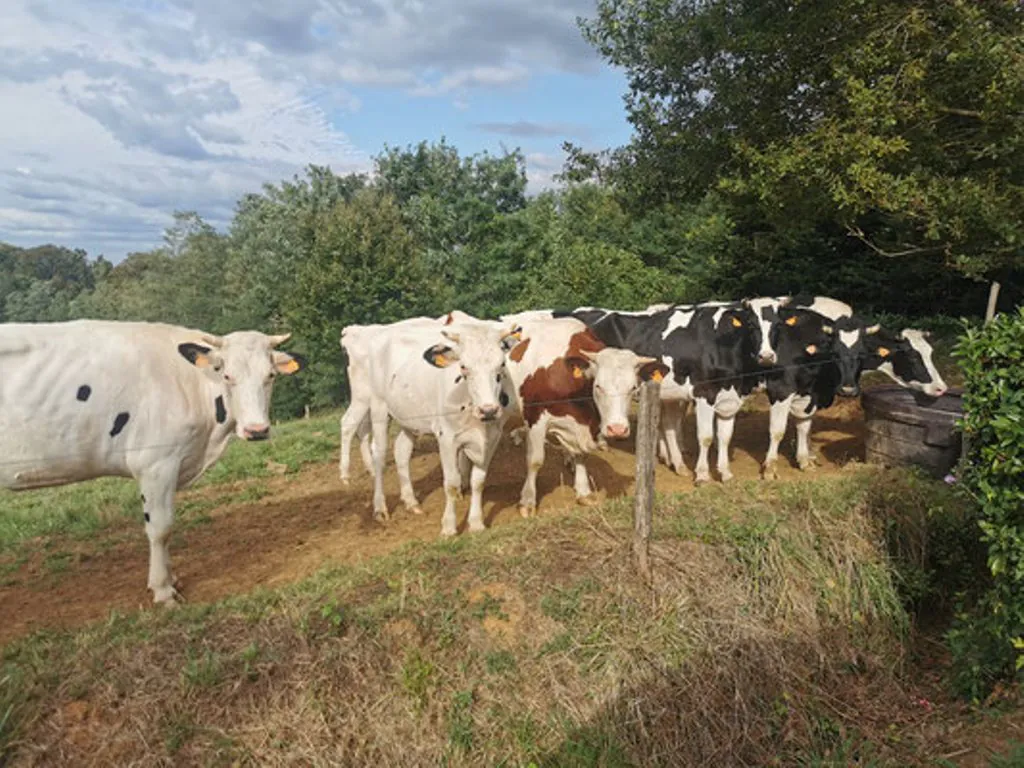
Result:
x=866 y=150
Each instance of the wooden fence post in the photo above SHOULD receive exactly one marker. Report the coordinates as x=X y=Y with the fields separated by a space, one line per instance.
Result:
x=646 y=459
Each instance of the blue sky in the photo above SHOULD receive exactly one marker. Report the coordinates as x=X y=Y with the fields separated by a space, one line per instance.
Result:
x=118 y=112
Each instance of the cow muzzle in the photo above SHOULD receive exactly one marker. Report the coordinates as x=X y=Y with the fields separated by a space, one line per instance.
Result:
x=849 y=391
x=488 y=412
x=617 y=431
x=256 y=432
x=766 y=358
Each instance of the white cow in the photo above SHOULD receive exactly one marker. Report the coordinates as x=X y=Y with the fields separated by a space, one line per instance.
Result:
x=359 y=343
x=450 y=381
x=158 y=403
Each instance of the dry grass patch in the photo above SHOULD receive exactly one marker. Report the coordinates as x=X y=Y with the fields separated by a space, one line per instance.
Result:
x=773 y=631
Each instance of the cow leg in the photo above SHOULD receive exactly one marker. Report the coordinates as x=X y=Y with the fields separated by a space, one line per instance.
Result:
x=158 y=485
x=581 y=483
x=351 y=421
x=452 y=484
x=705 y=436
x=403 y=453
x=727 y=405
x=777 y=421
x=802 y=412
x=671 y=429
x=478 y=475
x=379 y=417
x=534 y=461
x=365 y=445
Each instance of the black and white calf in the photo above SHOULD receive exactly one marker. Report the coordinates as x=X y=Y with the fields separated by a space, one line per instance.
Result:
x=154 y=402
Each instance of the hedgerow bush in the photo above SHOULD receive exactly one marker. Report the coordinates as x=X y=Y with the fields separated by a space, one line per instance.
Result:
x=987 y=639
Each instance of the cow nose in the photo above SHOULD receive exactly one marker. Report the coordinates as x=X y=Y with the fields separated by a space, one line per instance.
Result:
x=849 y=391
x=617 y=430
x=766 y=358
x=256 y=432
x=939 y=391
x=488 y=412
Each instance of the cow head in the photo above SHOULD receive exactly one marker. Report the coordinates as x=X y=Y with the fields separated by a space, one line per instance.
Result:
x=802 y=337
x=245 y=365
x=479 y=350
x=738 y=326
x=850 y=352
x=616 y=375
x=906 y=358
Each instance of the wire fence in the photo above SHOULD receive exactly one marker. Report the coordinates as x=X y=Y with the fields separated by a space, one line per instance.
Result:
x=87 y=449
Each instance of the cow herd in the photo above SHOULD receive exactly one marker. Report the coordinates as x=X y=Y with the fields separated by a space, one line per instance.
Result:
x=159 y=403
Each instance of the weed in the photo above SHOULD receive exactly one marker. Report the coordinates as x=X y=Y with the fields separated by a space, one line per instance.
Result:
x=203 y=671
x=418 y=678
x=460 y=721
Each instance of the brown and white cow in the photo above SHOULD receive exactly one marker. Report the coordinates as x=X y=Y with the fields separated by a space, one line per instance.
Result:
x=570 y=385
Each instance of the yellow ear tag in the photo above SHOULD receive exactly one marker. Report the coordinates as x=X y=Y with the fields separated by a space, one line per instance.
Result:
x=290 y=367
x=440 y=360
x=791 y=320
x=657 y=376
x=883 y=351
x=811 y=349
x=737 y=323
x=202 y=361
x=577 y=372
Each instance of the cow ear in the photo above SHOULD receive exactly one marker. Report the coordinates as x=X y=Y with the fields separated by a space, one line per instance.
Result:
x=440 y=355
x=288 y=362
x=871 y=330
x=653 y=371
x=199 y=356
x=578 y=366
x=784 y=300
x=511 y=338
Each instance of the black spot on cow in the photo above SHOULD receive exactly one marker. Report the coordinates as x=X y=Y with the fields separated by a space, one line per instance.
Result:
x=222 y=412
x=119 y=421
x=503 y=399
x=83 y=392
x=146 y=515
x=768 y=314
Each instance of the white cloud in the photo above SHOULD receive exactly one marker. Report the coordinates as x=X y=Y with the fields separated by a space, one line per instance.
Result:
x=118 y=112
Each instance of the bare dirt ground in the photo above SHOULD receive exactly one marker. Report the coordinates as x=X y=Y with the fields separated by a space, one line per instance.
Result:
x=309 y=520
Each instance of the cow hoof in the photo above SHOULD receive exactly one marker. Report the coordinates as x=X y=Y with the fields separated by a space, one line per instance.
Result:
x=590 y=500
x=679 y=469
x=381 y=516
x=476 y=527
x=726 y=476
x=168 y=597
x=768 y=472
x=807 y=465
x=416 y=509
x=701 y=479
x=448 y=534
x=346 y=481
x=527 y=510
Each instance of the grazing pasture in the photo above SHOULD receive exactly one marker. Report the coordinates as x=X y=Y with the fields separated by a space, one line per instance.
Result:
x=778 y=627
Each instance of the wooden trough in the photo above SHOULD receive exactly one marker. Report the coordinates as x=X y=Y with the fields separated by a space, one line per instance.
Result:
x=908 y=429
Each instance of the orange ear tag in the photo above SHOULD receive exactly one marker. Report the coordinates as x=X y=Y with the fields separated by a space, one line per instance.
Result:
x=577 y=372
x=291 y=366
x=791 y=320
x=440 y=361
x=657 y=377
x=811 y=349
x=737 y=323
x=883 y=352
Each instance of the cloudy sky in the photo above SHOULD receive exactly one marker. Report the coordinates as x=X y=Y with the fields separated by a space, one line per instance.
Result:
x=118 y=112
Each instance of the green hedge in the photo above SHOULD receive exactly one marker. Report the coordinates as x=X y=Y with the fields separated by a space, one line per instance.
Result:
x=988 y=638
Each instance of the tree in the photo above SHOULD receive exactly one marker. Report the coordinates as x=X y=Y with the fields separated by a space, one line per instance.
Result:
x=899 y=124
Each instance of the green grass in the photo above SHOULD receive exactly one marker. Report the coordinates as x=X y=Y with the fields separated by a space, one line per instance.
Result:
x=81 y=509
x=774 y=607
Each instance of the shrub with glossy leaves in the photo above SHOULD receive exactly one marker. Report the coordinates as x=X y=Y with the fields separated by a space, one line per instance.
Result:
x=988 y=641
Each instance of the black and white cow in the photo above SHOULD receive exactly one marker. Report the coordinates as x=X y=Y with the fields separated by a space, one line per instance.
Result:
x=154 y=402
x=715 y=353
